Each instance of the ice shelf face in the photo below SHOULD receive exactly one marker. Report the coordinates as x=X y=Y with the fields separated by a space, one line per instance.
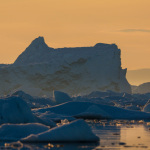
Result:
x=40 y=69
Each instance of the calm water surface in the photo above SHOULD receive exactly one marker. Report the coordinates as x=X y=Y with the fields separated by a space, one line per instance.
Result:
x=114 y=135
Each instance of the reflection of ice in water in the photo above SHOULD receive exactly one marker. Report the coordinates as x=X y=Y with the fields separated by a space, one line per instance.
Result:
x=63 y=146
x=109 y=135
x=137 y=136
x=130 y=135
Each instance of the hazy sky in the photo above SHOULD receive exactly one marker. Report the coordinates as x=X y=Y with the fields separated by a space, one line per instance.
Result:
x=77 y=23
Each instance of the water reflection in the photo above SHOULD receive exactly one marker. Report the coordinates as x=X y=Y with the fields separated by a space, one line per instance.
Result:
x=114 y=135
x=54 y=146
x=133 y=135
x=109 y=135
x=61 y=146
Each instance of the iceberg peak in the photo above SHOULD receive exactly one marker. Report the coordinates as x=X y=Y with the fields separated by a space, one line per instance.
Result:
x=104 y=45
x=37 y=52
x=38 y=41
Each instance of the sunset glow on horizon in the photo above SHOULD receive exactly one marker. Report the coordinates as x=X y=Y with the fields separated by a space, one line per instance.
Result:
x=75 y=23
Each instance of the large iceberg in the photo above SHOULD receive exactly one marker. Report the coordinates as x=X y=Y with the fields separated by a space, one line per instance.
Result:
x=80 y=70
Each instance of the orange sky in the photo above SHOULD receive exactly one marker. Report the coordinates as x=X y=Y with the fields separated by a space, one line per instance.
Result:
x=77 y=23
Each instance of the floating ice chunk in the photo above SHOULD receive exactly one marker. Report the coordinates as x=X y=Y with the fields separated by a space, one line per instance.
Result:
x=46 y=121
x=133 y=107
x=93 y=112
x=76 y=131
x=61 y=97
x=76 y=108
x=14 y=145
x=14 y=132
x=15 y=110
x=65 y=121
x=54 y=117
x=33 y=102
x=147 y=108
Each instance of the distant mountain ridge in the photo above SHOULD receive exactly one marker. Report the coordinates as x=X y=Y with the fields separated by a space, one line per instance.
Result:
x=142 y=88
x=137 y=77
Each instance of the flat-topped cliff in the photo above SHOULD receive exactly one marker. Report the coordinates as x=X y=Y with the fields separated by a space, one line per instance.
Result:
x=41 y=69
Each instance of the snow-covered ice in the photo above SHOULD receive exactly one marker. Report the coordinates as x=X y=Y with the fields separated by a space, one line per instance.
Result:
x=93 y=78
x=43 y=124
x=76 y=131
x=15 y=110
x=133 y=107
x=14 y=132
x=92 y=112
x=79 y=70
x=34 y=102
x=61 y=97
x=86 y=109
x=147 y=107
x=53 y=116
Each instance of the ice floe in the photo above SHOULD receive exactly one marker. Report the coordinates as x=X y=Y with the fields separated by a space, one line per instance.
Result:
x=14 y=132
x=15 y=110
x=76 y=131
x=82 y=109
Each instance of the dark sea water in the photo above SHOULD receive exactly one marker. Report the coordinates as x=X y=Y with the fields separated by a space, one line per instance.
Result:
x=114 y=135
